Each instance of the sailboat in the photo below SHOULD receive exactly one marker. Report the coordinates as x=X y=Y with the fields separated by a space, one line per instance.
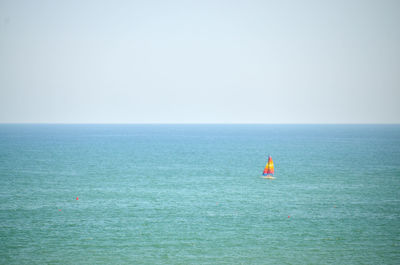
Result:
x=269 y=169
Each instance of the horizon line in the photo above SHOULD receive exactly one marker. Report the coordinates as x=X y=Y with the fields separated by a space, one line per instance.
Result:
x=182 y=123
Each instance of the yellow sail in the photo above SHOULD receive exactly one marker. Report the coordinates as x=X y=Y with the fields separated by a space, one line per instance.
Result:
x=269 y=168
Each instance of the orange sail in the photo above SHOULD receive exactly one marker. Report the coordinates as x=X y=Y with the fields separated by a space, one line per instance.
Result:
x=269 y=168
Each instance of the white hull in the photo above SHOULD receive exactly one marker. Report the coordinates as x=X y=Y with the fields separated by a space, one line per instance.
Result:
x=268 y=177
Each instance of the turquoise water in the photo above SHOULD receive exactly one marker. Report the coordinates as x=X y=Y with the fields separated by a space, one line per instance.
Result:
x=192 y=194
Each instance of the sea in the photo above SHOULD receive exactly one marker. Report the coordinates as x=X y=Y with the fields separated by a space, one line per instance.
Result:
x=194 y=194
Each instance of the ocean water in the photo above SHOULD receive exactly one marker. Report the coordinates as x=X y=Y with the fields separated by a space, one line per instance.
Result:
x=192 y=194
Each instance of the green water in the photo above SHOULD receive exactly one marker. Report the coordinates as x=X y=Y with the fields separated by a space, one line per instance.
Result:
x=192 y=194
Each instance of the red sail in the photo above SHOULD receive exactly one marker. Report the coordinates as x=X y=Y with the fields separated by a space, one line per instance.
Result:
x=269 y=168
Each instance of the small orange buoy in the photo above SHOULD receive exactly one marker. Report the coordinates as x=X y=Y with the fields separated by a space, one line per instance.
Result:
x=77 y=198
x=288 y=216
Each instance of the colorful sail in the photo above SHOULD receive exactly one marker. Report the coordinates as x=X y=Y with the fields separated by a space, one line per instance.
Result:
x=269 y=168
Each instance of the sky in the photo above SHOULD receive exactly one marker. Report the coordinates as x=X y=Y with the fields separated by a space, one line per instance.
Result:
x=200 y=61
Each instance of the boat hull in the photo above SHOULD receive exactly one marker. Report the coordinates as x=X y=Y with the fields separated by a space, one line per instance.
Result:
x=268 y=177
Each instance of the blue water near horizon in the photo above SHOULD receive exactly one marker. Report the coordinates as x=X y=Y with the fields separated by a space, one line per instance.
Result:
x=193 y=194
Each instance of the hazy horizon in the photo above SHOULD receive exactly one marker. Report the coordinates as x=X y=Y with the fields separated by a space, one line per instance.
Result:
x=206 y=62
x=170 y=123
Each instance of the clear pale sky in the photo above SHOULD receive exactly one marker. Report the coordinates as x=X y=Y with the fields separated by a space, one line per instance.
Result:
x=200 y=61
